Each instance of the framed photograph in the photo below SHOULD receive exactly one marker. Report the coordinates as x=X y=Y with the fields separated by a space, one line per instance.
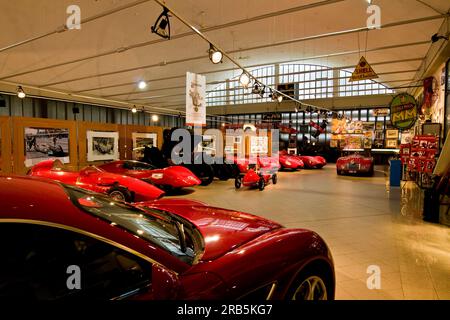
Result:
x=45 y=143
x=259 y=145
x=367 y=143
x=391 y=143
x=379 y=135
x=391 y=134
x=432 y=129
x=142 y=140
x=102 y=145
x=334 y=143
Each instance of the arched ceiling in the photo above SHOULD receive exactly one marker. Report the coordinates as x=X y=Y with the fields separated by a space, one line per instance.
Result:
x=90 y=61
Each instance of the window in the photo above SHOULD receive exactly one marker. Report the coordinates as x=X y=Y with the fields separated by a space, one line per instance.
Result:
x=35 y=267
x=359 y=88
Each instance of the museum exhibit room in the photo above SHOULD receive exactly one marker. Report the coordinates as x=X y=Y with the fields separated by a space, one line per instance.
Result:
x=225 y=150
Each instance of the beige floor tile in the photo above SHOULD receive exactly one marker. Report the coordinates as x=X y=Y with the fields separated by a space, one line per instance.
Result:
x=362 y=222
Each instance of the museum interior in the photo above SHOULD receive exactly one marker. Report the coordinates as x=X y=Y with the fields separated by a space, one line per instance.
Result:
x=225 y=150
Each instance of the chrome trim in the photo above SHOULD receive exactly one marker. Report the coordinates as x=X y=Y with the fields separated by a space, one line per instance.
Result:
x=271 y=292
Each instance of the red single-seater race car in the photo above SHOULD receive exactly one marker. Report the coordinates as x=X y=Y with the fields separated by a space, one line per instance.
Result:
x=74 y=244
x=169 y=178
x=355 y=164
x=256 y=177
x=117 y=186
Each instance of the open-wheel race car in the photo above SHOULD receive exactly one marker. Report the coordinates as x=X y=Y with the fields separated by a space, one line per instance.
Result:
x=168 y=179
x=157 y=250
x=256 y=176
x=117 y=186
x=356 y=164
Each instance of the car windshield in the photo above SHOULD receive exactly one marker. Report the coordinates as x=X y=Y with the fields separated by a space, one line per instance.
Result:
x=135 y=165
x=161 y=228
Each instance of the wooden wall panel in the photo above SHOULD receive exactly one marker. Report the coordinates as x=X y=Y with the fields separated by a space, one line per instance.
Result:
x=5 y=145
x=83 y=127
x=19 y=125
x=126 y=141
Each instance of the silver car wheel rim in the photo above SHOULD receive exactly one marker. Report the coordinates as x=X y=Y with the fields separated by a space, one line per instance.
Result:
x=312 y=288
x=117 y=195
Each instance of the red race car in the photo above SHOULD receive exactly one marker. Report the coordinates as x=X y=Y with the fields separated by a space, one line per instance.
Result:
x=256 y=177
x=290 y=161
x=118 y=187
x=165 y=249
x=313 y=162
x=355 y=164
x=170 y=178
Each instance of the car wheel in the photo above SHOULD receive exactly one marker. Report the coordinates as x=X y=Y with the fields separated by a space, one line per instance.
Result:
x=261 y=184
x=339 y=172
x=237 y=182
x=274 y=179
x=204 y=172
x=310 y=285
x=119 y=193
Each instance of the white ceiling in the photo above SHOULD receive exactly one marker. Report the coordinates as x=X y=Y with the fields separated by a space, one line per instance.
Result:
x=23 y=19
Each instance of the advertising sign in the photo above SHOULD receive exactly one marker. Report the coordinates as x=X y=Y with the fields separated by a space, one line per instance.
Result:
x=195 y=99
x=403 y=111
x=363 y=71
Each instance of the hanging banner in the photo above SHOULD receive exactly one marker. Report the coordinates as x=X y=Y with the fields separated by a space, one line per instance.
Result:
x=195 y=99
x=363 y=71
x=403 y=111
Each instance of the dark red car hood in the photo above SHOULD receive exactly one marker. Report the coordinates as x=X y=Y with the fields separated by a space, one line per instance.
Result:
x=222 y=230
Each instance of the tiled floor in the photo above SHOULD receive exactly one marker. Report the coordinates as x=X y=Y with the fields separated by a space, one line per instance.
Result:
x=363 y=222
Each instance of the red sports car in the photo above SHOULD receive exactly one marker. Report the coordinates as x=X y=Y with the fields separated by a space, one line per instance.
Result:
x=118 y=187
x=290 y=161
x=313 y=162
x=355 y=164
x=75 y=244
x=170 y=178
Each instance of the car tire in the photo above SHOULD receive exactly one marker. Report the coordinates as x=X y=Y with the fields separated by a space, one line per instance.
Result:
x=261 y=184
x=205 y=173
x=274 y=179
x=339 y=172
x=120 y=193
x=310 y=284
x=238 y=182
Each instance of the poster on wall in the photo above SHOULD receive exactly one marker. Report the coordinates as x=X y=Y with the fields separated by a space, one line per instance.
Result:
x=208 y=145
x=102 y=145
x=195 y=99
x=142 y=140
x=45 y=143
x=259 y=145
x=403 y=111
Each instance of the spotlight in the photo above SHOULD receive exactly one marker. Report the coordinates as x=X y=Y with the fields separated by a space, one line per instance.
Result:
x=214 y=55
x=280 y=98
x=436 y=38
x=262 y=92
x=244 y=79
x=155 y=118
x=296 y=110
x=256 y=89
x=142 y=84
x=134 y=109
x=162 y=25
x=223 y=124
x=20 y=93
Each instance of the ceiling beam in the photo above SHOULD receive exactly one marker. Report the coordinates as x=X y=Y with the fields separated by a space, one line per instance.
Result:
x=235 y=51
x=174 y=37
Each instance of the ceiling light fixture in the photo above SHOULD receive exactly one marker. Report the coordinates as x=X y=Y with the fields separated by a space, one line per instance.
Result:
x=155 y=118
x=162 y=25
x=280 y=98
x=244 y=79
x=142 y=84
x=20 y=93
x=436 y=37
x=214 y=55
x=134 y=109
x=256 y=88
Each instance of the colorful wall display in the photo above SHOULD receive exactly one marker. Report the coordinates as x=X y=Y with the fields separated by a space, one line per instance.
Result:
x=142 y=140
x=102 y=145
x=259 y=145
x=45 y=143
x=403 y=111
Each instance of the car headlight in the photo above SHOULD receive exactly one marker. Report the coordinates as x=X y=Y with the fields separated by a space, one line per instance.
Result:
x=157 y=175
